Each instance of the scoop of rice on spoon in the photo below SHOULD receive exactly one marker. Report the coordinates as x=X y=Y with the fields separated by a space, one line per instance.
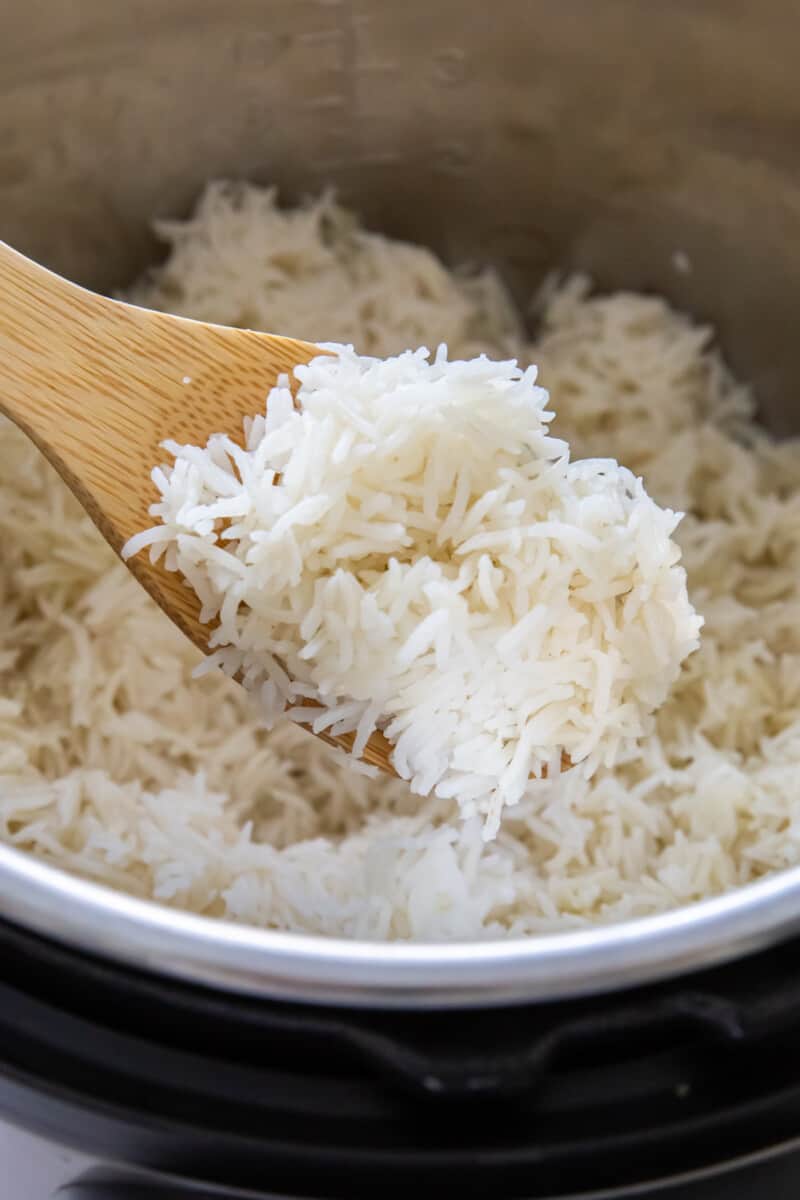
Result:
x=396 y=551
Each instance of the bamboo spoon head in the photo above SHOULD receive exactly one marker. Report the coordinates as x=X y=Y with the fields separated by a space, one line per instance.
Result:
x=212 y=379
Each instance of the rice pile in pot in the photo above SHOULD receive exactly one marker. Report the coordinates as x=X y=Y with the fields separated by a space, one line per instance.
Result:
x=116 y=765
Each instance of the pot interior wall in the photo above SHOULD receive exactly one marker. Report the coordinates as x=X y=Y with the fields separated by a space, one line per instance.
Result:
x=529 y=133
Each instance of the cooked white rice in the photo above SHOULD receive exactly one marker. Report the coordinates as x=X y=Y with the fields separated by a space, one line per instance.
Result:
x=403 y=542
x=116 y=765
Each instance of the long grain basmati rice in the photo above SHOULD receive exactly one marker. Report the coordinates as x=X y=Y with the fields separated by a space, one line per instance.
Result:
x=405 y=543
x=115 y=764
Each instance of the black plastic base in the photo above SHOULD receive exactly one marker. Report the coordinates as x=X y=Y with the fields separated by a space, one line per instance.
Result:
x=776 y=1178
x=544 y=1101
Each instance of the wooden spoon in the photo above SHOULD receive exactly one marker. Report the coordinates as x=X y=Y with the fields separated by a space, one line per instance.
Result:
x=98 y=385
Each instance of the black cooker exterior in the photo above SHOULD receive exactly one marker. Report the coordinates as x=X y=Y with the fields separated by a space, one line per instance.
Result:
x=576 y=1098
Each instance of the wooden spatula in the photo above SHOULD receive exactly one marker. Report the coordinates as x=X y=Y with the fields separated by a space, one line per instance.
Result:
x=98 y=385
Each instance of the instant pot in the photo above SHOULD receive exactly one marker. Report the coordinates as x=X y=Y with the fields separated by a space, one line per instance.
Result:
x=190 y=1058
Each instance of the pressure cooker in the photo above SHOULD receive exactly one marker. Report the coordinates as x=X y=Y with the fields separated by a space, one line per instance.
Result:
x=192 y=1058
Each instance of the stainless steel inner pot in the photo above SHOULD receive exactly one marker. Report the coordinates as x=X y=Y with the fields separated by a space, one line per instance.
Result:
x=605 y=135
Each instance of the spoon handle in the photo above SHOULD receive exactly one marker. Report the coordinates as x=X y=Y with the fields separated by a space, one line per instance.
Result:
x=72 y=377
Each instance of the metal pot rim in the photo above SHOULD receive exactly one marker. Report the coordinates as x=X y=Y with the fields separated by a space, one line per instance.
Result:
x=271 y=964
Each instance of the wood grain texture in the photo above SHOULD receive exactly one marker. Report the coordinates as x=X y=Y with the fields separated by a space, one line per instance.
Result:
x=98 y=385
